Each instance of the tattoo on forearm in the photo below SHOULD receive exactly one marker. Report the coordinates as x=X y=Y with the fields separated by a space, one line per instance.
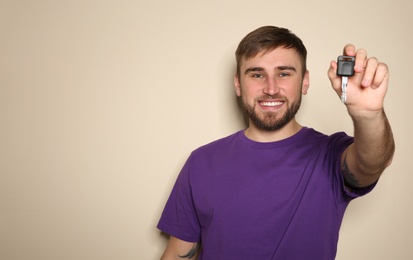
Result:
x=191 y=252
x=349 y=178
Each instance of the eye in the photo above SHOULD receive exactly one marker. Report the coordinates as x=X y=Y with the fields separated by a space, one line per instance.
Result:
x=284 y=74
x=257 y=75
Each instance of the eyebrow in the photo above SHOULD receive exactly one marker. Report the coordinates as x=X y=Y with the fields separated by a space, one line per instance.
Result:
x=254 y=69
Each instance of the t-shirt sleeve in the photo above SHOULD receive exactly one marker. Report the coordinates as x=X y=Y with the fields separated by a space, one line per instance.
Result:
x=179 y=217
x=339 y=143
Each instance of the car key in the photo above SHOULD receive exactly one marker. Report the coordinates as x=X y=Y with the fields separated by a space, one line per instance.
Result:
x=345 y=69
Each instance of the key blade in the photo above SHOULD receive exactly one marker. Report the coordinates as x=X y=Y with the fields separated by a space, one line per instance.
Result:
x=344 y=89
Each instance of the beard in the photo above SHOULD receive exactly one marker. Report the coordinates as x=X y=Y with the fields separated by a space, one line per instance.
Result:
x=269 y=121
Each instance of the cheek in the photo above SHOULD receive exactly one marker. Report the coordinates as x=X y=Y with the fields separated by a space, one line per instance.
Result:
x=249 y=94
x=251 y=89
x=295 y=88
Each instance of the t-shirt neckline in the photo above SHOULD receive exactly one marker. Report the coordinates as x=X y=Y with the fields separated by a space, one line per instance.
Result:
x=267 y=145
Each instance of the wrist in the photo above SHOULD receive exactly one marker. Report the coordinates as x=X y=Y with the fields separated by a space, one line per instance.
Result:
x=366 y=114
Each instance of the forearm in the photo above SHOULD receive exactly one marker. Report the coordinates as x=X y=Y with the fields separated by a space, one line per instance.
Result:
x=179 y=249
x=373 y=143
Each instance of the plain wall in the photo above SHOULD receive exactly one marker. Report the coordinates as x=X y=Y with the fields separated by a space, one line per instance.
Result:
x=101 y=102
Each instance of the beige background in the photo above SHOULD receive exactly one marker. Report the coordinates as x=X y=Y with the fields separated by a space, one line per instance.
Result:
x=101 y=102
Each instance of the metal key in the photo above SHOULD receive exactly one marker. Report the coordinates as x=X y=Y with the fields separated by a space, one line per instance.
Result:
x=344 y=80
x=345 y=69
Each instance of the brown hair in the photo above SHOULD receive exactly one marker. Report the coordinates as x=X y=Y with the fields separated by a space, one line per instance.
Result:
x=268 y=38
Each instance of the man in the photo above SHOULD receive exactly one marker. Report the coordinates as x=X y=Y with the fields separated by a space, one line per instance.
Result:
x=278 y=190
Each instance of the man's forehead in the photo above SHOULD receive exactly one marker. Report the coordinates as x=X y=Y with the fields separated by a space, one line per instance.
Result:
x=278 y=57
x=281 y=51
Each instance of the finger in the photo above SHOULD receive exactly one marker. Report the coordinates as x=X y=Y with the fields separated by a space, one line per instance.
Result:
x=370 y=72
x=360 y=62
x=382 y=73
x=349 y=50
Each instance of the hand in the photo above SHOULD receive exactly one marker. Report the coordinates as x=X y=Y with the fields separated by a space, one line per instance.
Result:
x=367 y=88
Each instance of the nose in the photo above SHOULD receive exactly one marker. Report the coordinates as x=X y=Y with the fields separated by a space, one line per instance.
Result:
x=271 y=87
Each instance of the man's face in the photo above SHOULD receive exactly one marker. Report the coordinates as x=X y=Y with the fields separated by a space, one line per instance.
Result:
x=270 y=87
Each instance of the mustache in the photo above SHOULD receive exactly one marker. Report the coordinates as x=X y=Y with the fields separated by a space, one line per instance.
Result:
x=266 y=96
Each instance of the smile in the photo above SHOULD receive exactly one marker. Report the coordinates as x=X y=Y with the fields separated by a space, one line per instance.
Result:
x=270 y=103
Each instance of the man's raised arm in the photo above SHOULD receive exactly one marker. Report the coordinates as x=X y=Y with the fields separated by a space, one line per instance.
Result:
x=364 y=161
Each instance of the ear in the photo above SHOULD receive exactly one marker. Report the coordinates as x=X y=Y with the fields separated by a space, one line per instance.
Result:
x=306 y=83
x=237 y=85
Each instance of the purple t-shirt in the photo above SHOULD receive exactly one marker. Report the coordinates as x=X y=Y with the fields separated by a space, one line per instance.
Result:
x=248 y=200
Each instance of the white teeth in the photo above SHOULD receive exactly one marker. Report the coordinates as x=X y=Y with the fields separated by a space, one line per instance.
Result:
x=271 y=104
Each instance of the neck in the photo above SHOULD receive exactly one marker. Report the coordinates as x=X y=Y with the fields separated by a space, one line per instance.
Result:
x=264 y=136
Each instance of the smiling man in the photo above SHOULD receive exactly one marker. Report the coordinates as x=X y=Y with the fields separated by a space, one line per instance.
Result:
x=279 y=190
x=270 y=86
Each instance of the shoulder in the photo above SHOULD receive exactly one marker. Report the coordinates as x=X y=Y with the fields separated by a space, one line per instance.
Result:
x=217 y=145
x=311 y=134
x=318 y=143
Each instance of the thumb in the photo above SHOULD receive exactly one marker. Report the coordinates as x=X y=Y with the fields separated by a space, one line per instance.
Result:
x=334 y=78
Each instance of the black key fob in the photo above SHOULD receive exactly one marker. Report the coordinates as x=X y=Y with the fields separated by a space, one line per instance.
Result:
x=345 y=66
